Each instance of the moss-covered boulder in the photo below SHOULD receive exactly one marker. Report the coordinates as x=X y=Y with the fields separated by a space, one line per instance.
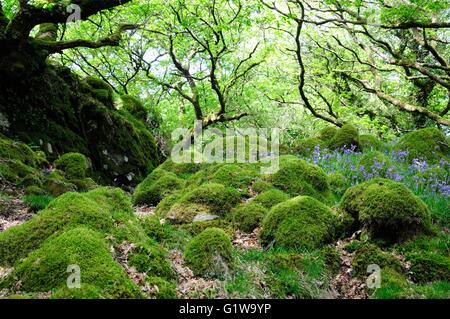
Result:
x=151 y=259
x=271 y=197
x=425 y=144
x=155 y=187
x=60 y=113
x=369 y=254
x=74 y=165
x=301 y=222
x=327 y=134
x=210 y=199
x=97 y=209
x=134 y=106
x=100 y=90
x=370 y=142
x=298 y=177
x=387 y=209
x=347 y=137
x=238 y=176
x=209 y=254
x=427 y=266
x=307 y=146
x=46 y=268
x=248 y=216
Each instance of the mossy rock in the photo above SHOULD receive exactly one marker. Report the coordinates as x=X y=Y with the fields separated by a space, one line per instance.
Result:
x=14 y=150
x=154 y=228
x=209 y=198
x=260 y=186
x=57 y=187
x=31 y=180
x=186 y=212
x=375 y=162
x=84 y=292
x=183 y=170
x=151 y=260
x=429 y=266
x=161 y=288
x=46 y=268
x=387 y=210
x=238 y=176
x=248 y=216
x=94 y=209
x=154 y=188
x=134 y=106
x=74 y=165
x=271 y=197
x=338 y=183
x=85 y=184
x=394 y=285
x=196 y=228
x=370 y=142
x=166 y=203
x=425 y=144
x=370 y=254
x=327 y=134
x=209 y=254
x=332 y=258
x=346 y=137
x=301 y=222
x=101 y=90
x=35 y=190
x=307 y=146
x=298 y=177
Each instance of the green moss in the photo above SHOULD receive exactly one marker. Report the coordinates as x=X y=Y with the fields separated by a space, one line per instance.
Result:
x=84 y=292
x=74 y=165
x=428 y=266
x=370 y=142
x=164 y=206
x=248 y=216
x=338 y=183
x=85 y=184
x=327 y=134
x=37 y=202
x=209 y=254
x=239 y=176
x=332 y=258
x=306 y=147
x=101 y=90
x=185 y=212
x=346 y=137
x=151 y=260
x=298 y=177
x=154 y=229
x=181 y=169
x=153 y=189
x=387 y=210
x=31 y=180
x=198 y=227
x=217 y=197
x=369 y=254
x=271 y=197
x=134 y=106
x=427 y=144
x=260 y=186
x=46 y=268
x=57 y=187
x=162 y=289
x=93 y=209
x=435 y=290
x=12 y=150
x=35 y=190
x=393 y=285
x=301 y=222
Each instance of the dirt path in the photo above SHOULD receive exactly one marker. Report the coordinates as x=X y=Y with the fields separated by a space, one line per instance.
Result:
x=13 y=211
